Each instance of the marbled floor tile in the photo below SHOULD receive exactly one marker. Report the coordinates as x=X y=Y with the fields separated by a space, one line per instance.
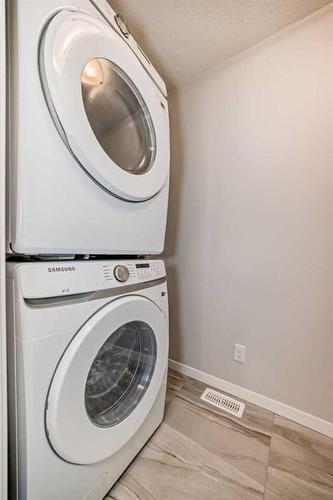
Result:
x=175 y=383
x=173 y=467
x=240 y=448
x=300 y=460
x=128 y=488
x=254 y=417
x=284 y=486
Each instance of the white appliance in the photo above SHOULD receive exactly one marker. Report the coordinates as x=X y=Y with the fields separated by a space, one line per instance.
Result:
x=88 y=362
x=89 y=134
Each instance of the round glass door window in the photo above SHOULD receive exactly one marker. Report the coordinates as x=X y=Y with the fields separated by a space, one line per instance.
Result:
x=120 y=374
x=118 y=116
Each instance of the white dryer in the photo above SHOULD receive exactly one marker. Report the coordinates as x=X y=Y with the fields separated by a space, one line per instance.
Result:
x=87 y=368
x=89 y=134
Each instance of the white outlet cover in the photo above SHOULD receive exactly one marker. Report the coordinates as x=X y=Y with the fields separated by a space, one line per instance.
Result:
x=239 y=353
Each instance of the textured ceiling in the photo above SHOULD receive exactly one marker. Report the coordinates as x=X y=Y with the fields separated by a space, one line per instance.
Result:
x=185 y=37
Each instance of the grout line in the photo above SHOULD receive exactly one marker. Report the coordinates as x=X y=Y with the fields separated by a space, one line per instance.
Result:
x=269 y=455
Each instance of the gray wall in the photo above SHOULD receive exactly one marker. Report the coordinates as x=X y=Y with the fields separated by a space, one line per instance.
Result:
x=3 y=370
x=250 y=236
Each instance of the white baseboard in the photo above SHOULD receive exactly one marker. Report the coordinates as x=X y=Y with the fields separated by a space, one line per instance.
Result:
x=299 y=416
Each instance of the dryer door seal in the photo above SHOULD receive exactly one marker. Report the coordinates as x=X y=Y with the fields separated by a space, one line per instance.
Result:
x=107 y=380
x=108 y=111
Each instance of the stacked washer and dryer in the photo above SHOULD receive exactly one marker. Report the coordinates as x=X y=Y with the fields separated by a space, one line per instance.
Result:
x=88 y=178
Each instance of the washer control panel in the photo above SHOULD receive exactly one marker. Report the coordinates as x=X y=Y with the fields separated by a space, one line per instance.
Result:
x=52 y=279
x=133 y=271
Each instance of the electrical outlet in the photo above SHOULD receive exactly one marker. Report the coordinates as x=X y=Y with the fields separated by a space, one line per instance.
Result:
x=239 y=353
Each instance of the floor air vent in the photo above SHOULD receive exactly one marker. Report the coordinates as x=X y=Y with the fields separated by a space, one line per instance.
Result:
x=222 y=401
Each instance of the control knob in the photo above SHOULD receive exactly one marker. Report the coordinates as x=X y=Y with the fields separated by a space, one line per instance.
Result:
x=121 y=273
x=122 y=25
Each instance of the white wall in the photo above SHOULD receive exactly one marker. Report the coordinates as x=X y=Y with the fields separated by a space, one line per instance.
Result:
x=250 y=237
x=3 y=379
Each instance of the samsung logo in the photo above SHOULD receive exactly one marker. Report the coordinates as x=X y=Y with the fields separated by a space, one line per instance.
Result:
x=60 y=269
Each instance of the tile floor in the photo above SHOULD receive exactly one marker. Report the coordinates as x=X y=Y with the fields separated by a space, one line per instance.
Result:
x=200 y=452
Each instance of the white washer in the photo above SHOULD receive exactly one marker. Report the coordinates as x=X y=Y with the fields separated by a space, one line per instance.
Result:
x=89 y=134
x=87 y=370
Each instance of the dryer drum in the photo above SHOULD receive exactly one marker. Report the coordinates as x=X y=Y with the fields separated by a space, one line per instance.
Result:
x=118 y=116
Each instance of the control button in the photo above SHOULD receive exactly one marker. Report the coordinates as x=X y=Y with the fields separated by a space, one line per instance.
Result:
x=121 y=273
x=122 y=25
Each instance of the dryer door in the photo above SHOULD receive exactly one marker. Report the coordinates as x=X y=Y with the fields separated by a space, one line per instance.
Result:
x=109 y=112
x=107 y=380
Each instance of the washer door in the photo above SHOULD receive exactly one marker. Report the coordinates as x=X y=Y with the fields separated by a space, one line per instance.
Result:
x=107 y=380
x=107 y=109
